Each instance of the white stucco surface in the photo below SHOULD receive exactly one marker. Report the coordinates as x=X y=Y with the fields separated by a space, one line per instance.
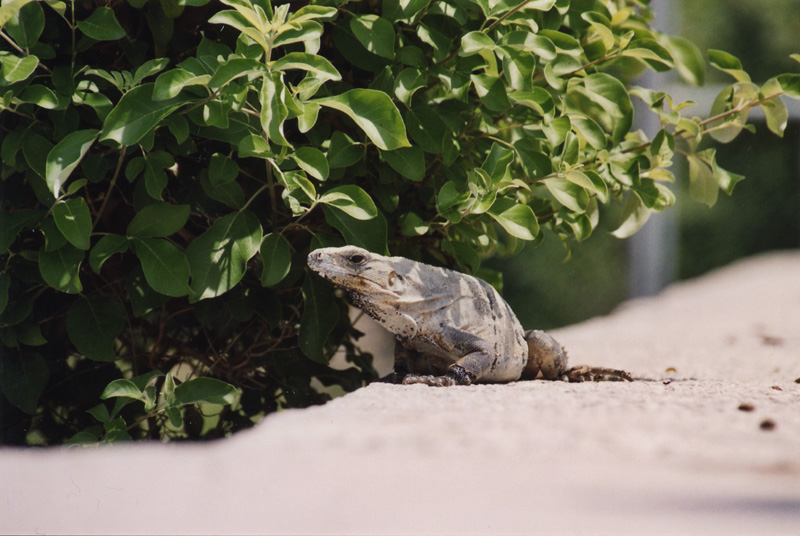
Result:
x=668 y=454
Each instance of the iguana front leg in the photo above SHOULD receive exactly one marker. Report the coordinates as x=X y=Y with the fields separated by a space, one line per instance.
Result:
x=476 y=358
x=547 y=356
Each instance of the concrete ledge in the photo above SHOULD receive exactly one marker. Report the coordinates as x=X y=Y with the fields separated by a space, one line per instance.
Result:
x=669 y=454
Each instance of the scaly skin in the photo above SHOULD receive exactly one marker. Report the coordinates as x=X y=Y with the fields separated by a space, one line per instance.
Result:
x=450 y=328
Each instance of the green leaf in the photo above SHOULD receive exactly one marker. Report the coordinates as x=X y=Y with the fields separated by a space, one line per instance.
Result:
x=155 y=178
x=16 y=69
x=205 y=390
x=408 y=161
x=93 y=324
x=218 y=257
x=650 y=52
x=276 y=258
x=728 y=99
x=60 y=268
x=165 y=266
x=41 y=96
x=590 y=131
x=320 y=316
x=352 y=200
x=107 y=246
x=11 y=10
x=11 y=223
x=136 y=113
x=634 y=215
x=375 y=113
x=320 y=67
x=343 y=152
x=790 y=84
x=491 y=90
x=149 y=68
x=408 y=82
x=518 y=220
x=74 y=221
x=5 y=283
x=65 y=156
x=158 y=219
x=23 y=377
x=273 y=110
x=375 y=33
x=688 y=59
x=102 y=25
x=312 y=161
x=589 y=181
x=122 y=387
x=222 y=170
x=728 y=63
x=568 y=194
x=534 y=163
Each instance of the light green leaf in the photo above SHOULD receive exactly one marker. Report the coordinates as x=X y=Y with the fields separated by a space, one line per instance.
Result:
x=158 y=219
x=790 y=84
x=475 y=42
x=74 y=221
x=703 y=186
x=93 y=324
x=169 y=84
x=122 y=387
x=320 y=316
x=567 y=193
x=206 y=390
x=107 y=246
x=407 y=82
x=589 y=181
x=149 y=68
x=375 y=33
x=11 y=9
x=408 y=161
x=491 y=90
x=136 y=113
x=273 y=109
x=774 y=109
x=218 y=257
x=65 y=156
x=728 y=99
x=688 y=59
x=102 y=25
x=60 y=268
x=652 y=53
x=317 y=65
x=375 y=113
x=15 y=69
x=41 y=96
x=233 y=69
x=165 y=266
x=276 y=257
x=312 y=161
x=351 y=200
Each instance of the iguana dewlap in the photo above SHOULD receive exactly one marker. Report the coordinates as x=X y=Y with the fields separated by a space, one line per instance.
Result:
x=451 y=328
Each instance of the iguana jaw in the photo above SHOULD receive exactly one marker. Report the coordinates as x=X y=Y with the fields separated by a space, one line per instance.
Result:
x=353 y=269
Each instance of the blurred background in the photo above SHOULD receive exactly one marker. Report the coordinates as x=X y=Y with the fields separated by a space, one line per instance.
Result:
x=689 y=239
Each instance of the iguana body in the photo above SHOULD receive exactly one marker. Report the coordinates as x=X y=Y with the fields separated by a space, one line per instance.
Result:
x=451 y=328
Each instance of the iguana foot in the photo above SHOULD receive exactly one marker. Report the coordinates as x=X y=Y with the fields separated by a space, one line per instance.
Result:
x=394 y=377
x=456 y=375
x=585 y=373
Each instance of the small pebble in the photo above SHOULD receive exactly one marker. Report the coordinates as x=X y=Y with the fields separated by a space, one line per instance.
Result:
x=746 y=407
x=673 y=369
x=797 y=380
x=667 y=382
x=777 y=387
x=767 y=424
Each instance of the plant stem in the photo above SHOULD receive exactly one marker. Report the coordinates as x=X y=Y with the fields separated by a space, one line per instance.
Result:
x=110 y=187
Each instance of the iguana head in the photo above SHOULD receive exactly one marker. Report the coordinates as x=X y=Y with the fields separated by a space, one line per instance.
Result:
x=358 y=270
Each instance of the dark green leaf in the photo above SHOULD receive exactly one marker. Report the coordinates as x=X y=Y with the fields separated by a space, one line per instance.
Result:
x=367 y=234
x=407 y=82
x=26 y=25
x=276 y=257
x=5 y=282
x=107 y=246
x=93 y=324
x=165 y=266
x=412 y=225
x=222 y=170
x=23 y=376
x=343 y=151
x=408 y=161
x=169 y=84
x=60 y=268
x=790 y=84
x=11 y=223
x=320 y=315
x=205 y=390
x=218 y=257
x=158 y=219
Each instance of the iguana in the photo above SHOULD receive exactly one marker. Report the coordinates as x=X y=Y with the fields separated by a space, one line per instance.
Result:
x=450 y=328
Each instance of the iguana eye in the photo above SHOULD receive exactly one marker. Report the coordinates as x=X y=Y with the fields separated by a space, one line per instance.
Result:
x=357 y=258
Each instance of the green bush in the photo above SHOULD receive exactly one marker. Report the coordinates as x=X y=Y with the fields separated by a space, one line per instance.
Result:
x=168 y=165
